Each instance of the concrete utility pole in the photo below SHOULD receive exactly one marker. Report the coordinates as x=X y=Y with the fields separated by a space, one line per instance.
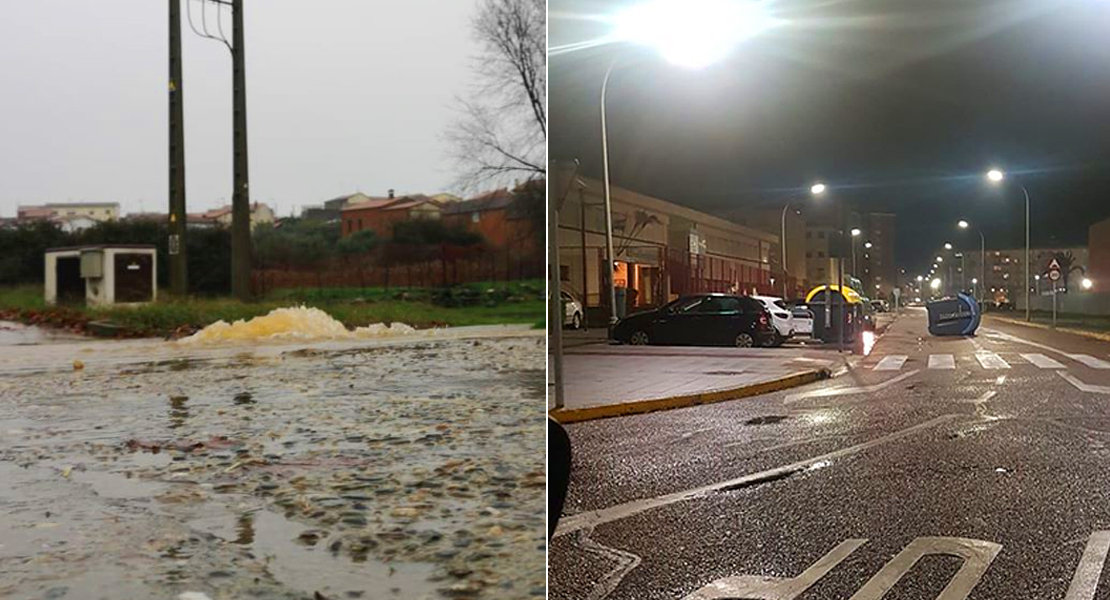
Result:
x=179 y=285
x=240 y=199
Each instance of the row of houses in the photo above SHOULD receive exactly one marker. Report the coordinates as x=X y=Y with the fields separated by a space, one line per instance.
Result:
x=504 y=218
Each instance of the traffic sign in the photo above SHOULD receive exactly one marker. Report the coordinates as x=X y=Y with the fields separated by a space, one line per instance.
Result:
x=1054 y=270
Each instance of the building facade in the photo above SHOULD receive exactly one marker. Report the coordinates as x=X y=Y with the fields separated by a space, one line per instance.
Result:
x=381 y=214
x=662 y=250
x=1003 y=278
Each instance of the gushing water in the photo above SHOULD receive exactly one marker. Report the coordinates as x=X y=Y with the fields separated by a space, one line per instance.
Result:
x=294 y=323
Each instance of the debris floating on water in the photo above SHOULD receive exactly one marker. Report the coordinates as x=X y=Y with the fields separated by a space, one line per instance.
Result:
x=78 y=365
x=294 y=323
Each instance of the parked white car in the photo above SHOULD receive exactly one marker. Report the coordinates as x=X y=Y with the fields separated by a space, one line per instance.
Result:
x=781 y=318
x=573 y=316
x=803 y=320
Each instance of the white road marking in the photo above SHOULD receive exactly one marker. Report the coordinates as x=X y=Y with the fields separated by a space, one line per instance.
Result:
x=977 y=556
x=1085 y=580
x=625 y=563
x=893 y=362
x=990 y=360
x=594 y=518
x=840 y=391
x=1043 y=362
x=778 y=588
x=1084 y=387
x=942 y=361
x=1090 y=361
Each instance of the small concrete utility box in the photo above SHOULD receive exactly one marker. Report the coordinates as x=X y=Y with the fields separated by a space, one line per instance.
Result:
x=100 y=275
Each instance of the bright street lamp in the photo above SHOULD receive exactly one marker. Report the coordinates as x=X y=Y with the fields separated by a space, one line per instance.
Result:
x=963 y=224
x=868 y=245
x=692 y=33
x=816 y=190
x=920 y=278
x=935 y=284
x=856 y=232
x=1087 y=283
x=940 y=259
x=996 y=176
x=947 y=246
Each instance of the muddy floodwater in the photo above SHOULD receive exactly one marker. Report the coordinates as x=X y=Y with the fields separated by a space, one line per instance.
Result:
x=396 y=465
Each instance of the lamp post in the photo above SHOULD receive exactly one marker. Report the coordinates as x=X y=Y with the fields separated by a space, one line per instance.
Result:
x=982 y=253
x=996 y=176
x=855 y=234
x=690 y=34
x=816 y=190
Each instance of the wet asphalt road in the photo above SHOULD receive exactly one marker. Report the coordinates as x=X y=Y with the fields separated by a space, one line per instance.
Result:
x=990 y=470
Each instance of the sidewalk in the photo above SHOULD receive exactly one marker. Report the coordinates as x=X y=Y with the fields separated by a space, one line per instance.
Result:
x=603 y=380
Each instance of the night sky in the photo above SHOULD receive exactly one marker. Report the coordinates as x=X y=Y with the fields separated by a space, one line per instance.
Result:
x=899 y=106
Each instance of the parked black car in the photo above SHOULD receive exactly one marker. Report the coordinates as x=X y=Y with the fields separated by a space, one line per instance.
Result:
x=700 y=320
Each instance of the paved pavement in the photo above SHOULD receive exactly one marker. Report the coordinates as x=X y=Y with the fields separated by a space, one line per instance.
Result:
x=933 y=468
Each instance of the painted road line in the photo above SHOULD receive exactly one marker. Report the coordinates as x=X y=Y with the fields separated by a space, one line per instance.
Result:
x=1043 y=362
x=893 y=362
x=942 y=361
x=1090 y=361
x=990 y=360
x=977 y=555
x=1085 y=580
x=780 y=588
x=840 y=391
x=593 y=518
x=1084 y=387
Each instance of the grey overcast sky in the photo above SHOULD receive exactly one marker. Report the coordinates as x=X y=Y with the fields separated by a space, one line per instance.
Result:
x=343 y=95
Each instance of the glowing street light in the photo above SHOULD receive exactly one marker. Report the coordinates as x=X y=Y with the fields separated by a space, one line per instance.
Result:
x=692 y=33
x=856 y=232
x=817 y=189
x=868 y=245
x=920 y=278
x=963 y=224
x=947 y=246
x=940 y=259
x=1087 y=283
x=935 y=284
x=996 y=177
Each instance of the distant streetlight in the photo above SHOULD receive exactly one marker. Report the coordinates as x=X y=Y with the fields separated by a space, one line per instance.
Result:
x=856 y=232
x=816 y=190
x=920 y=278
x=867 y=245
x=940 y=259
x=1087 y=283
x=962 y=224
x=947 y=246
x=996 y=176
x=935 y=284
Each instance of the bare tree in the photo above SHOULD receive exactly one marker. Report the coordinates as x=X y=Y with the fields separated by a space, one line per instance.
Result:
x=501 y=133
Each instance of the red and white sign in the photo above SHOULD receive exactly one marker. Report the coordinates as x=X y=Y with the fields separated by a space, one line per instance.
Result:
x=1054 y=270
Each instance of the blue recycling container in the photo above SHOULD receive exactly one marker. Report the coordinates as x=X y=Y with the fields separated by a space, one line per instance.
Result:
x=954 y=316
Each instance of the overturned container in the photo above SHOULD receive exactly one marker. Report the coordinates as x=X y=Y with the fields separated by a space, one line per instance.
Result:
x=954 y=316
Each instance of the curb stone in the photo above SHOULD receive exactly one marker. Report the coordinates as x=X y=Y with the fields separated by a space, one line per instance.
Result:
x=638 y=407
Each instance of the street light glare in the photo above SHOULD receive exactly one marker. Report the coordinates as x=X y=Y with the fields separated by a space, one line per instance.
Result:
x=963 y=224
x=868 y=245
x=920 y=278
x=692 y=33
x=817 y=189
x=935 y=284
x=940 y=259
x=947 y=246
x=1087 y=283
x=856 y=232
x=995 y=175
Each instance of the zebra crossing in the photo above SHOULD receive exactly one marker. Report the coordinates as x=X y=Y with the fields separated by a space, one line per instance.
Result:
x=991 y=361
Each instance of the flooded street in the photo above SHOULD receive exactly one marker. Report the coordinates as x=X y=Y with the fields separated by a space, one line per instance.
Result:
x=398 y=463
